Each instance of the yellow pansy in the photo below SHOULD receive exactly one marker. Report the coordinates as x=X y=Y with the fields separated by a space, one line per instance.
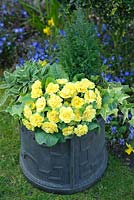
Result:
x=66 y=114
x=49 y=127
x=40 y=104
x=27 y=125
x=77 y=102
x=68 y=130
x=36 y=120
x=53 y=116
x=61 y=81
x=27 y=112
x=52 y=88
x=89 y=114
x=68 y=90
x=129 y=149
x=81 y=130
x=51 y=22
x=54 y=101
x=90 y=96
x=43 y=63
x=47 y=31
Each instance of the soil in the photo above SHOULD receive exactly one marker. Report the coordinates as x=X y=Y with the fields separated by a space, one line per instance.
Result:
x=119 y=152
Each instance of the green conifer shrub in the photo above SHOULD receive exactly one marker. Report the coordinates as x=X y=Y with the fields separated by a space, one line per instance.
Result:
x=79 y=50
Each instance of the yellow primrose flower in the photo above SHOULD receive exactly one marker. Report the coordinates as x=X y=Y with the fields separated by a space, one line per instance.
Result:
x=77 y=116
x=129 y=149
x=98 y=98
x=77 y=102
x=52 y=88
x=90 y=96
x=47 y=31
x=51 y=22
x=66 y=114
x=36 y=120
x=27 y=125
x=68 y=90
x=68 y=130
x=40 y=104
x=81 y=130
x=61 y=81
x=36 y=89
x=54 y=101
x=36 y=85
x=27 y=112
x=89 y=114
x=81 y=86
x=49 y=127
x=36 y=93
x=53 y=116
x=88 y=83
x=43 y=63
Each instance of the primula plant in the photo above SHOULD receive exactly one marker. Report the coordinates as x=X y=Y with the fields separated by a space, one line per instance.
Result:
x=55 y=108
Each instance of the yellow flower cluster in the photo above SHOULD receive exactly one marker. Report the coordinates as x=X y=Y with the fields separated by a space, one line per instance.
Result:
x=64 y=106
x=47 y=29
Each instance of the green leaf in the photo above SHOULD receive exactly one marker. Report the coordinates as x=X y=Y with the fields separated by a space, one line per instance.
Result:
x=46 y=138
x=4 y=97
x=15 y=110
x=78 y=77
x=131 y=121
x=26 y=98
x=57 y=71
x=92 y=126
x=49 y=80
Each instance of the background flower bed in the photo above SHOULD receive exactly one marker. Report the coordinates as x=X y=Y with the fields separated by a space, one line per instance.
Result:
x=22 y=40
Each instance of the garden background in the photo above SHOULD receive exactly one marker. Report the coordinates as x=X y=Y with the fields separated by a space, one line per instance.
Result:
x=22 y=38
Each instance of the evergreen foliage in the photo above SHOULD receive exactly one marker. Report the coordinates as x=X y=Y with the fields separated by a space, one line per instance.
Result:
x=79 y=50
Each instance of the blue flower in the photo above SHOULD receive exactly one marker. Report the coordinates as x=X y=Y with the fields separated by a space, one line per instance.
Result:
x=104 y=27
x=109 y=119
x=113 y=57
x=18 y=30
x=129 y=116
x=113 y=129
x=24 y=13
x=105 y=61
x=62 y=33
x=121 y=141
x=1 y=24
x=120 y=58
x=1 y=43
x=126 y=73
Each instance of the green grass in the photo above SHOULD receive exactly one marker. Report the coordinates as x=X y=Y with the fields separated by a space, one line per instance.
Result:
x=116 y=184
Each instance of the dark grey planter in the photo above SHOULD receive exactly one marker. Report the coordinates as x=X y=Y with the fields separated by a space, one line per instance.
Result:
x=67 y=167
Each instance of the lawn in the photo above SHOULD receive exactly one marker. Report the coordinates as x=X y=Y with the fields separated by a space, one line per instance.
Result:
x=116 y=184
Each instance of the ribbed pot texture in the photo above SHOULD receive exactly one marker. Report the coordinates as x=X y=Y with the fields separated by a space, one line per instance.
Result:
x=67 y=167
